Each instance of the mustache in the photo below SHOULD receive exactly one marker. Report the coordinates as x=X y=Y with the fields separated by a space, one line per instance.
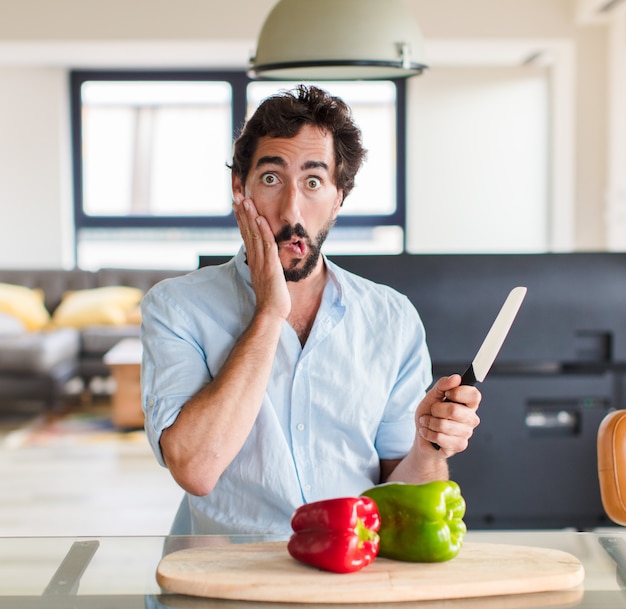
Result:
x=288 y=231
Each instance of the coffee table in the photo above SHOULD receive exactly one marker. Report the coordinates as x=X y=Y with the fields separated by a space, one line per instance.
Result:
x=124 y=360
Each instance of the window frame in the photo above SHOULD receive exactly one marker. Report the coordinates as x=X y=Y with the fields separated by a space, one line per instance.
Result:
x=239 y=82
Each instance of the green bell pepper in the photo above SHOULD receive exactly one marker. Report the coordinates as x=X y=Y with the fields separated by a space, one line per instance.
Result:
x=420 y=522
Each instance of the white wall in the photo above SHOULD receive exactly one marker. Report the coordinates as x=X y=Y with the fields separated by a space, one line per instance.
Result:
x=35 y=193
x=478 y=160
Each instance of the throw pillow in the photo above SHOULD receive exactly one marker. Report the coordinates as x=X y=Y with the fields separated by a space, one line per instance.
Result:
x=97 y=306
x=134 y=316
x=25 y=304
x=11 y=325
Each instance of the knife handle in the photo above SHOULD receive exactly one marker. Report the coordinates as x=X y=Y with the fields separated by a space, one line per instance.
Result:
x=467 y=378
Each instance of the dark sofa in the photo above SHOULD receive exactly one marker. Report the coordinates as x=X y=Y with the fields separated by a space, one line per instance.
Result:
x=35 y=367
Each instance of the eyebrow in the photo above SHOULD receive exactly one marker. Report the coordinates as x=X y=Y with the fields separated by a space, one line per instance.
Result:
x=277 y=160
x=271 y=160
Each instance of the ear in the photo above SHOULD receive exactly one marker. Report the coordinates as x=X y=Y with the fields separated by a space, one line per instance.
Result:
x=338 y=202
x=237 y=187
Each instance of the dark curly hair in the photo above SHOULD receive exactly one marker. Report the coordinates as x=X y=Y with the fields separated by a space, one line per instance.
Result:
x=285 y=113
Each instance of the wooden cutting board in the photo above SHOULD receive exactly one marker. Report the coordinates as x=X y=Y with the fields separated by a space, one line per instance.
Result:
x=266 y=572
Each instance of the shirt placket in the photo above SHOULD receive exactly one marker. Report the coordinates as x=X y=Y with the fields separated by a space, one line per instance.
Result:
x=301 y=427
x=302 y=417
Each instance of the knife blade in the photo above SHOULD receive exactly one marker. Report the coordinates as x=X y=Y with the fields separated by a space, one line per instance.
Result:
x=486 y=355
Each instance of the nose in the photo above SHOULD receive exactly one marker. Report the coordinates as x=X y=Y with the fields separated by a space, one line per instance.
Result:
x=290 y=205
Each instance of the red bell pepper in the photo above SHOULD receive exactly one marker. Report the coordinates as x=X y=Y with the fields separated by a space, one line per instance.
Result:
x=337 y=535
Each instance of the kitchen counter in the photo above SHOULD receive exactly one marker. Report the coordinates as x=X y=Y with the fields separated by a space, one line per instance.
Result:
x=120 y=572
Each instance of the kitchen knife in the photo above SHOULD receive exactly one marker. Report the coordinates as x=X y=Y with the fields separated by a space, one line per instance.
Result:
x=481 y=364
x=488 y=351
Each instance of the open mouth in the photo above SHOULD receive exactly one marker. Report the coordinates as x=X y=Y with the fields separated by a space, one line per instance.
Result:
x=293 y=240
x=296 y=246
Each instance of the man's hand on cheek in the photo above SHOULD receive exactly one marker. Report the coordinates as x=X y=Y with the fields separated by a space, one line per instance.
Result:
x=266 y=271
x=447 y=416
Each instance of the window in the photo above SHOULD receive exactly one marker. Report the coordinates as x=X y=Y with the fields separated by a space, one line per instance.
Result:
x=151 y=184
x=155 y=148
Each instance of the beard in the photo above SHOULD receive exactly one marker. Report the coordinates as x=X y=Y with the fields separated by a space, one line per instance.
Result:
x=314 y=249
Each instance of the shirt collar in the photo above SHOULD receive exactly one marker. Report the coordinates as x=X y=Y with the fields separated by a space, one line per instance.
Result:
x=335 y=274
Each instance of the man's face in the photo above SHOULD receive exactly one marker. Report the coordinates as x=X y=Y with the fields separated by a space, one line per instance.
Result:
x=292 y=184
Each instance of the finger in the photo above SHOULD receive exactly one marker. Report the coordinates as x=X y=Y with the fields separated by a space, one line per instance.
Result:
x=434 y=441
x=267 y=241
x=462 y=427
x=466 y=395
x=246 y=214
x=437 y=393
x=262 y=240
x=443 y=421
x=451 y=438
x=449 y=419
x=445 y=384
x=253 y=226
x=461 y=407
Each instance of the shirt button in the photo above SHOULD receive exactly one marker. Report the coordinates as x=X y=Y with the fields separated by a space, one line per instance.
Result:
x=307 y=487
x=300 y=426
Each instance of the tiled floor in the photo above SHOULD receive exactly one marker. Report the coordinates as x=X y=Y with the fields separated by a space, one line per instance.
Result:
x=83 y=489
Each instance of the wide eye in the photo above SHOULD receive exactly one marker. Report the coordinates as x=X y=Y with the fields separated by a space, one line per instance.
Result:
x=269 y=179
x=313 y=183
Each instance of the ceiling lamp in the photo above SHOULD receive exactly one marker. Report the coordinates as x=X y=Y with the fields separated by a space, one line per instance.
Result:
x=338 y=40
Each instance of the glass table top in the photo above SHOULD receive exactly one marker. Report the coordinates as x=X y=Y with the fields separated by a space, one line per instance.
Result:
x=107 y=572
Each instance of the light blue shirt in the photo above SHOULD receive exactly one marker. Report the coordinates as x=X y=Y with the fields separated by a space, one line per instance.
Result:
x=331 y=411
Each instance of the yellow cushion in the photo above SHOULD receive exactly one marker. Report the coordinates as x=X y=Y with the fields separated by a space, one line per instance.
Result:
x=97 y=306
x=133 y=316
x=24 y=303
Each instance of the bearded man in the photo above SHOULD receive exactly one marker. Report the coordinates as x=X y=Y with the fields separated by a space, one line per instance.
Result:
x=278 y=378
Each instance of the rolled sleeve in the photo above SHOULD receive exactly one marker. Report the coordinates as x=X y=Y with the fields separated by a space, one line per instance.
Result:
x=396 y=432
x=173 y=368
x=185 y=342
x=158 y=416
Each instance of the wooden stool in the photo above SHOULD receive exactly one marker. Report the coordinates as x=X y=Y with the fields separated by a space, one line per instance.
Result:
x=612 y=465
